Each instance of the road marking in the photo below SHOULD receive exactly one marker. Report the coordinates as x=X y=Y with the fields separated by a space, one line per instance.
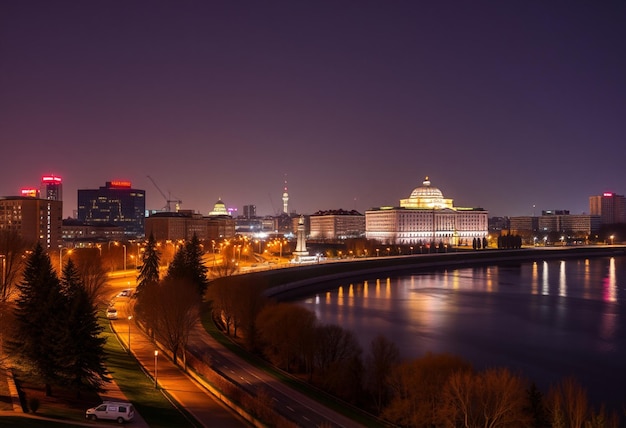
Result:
x=290 y=408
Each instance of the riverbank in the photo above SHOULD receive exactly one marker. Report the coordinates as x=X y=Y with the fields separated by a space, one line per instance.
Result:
x=287 y=284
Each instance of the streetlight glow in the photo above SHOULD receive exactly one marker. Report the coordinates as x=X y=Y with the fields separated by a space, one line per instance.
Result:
x=156 y=368
x=130 y=317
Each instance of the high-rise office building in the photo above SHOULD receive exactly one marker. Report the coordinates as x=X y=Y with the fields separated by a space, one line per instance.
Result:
x=249 y=211
x=610 y=207
x=51 y=188
x=116 y=203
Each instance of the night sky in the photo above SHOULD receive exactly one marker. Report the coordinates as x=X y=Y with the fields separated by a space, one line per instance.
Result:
x=503 y=104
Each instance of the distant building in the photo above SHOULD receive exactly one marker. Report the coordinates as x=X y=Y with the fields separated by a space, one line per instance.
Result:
x=52 y=188
x=521 y=224
x=116 y=203
x=336 y=225
x=610 y=207
x=34 y=219
x=249 y=211
x=425 y=217
x=560 y=221
x=184 y=224
x=250 y=227
x=77 y=232
x=498 y=224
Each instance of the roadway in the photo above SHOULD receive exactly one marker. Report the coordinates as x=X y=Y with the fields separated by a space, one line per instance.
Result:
x=295 y=406
x=200 y=403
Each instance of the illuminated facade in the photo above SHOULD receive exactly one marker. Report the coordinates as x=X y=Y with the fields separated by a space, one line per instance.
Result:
x=116 y=203
x=185 y=224
x=33 y=219
x=426 y=217
x=337 y=224
x=610 y=207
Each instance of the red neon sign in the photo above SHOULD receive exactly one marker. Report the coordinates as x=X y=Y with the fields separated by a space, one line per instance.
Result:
x=120 y=183
x=607 y=194
x=30 y=192
x=48 y=178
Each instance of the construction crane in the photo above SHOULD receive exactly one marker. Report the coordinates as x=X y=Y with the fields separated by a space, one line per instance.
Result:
x=168 y=205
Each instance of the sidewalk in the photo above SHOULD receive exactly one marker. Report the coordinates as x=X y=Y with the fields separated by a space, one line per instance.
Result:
x=196 y=400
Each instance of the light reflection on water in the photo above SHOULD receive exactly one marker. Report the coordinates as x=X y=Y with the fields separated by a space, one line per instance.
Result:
x=547 y=319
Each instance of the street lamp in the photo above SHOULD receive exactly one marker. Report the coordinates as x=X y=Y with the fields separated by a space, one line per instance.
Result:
x=156 y=368
x=4 y=268
x=69 y=251
x=130 y=317
x=124 y=245
x=612 y=238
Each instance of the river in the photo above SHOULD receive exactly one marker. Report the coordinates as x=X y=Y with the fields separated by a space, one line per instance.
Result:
x=545 y=320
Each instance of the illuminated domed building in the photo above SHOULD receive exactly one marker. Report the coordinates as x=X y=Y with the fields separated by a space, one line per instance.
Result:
x=426 y=217
x=219 y=209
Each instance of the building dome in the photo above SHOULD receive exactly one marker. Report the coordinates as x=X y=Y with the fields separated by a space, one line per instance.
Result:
x=426 y=197
x=426 y=191
x=219 y=208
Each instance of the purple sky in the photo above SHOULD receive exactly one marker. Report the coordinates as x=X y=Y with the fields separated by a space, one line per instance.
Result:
x=503 y=104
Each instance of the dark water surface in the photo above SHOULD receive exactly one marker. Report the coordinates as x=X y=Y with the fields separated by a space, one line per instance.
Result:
x=545 y=320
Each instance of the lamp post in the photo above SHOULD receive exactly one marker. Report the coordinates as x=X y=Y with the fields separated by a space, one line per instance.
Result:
x=612 y=239
x=4 y=268
x=156 y=368
x=130 y=317
x=61 y=259
x=124 y=245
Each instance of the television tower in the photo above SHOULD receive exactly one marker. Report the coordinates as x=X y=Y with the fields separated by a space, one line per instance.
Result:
x=285 y=198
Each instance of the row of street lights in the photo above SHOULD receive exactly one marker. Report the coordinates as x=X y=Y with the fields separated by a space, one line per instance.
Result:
x=156 y=356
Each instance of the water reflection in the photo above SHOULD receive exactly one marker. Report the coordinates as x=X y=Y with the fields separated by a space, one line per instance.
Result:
x=562 y=280
x=550 y=318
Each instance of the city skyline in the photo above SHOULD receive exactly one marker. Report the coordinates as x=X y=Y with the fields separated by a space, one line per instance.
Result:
x=515 y=108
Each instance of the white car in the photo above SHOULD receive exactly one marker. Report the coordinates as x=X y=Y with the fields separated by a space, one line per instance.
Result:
x=112 y=313
x=126 y=293
x=116 y=411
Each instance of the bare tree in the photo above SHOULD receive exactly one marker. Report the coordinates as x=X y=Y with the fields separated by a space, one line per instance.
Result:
x=568 y=404
x=417 y=389
x=223 y=297
x=12 y=249
x=490 y=399
x=384 y=355
x=174 y=313
x=226 y=266
x=285 y=330
x=92 y=273
x=342 y=369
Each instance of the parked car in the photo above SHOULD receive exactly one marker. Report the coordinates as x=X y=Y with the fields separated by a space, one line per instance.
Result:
x=116 y=411
x=128 y=292
x=112 y=313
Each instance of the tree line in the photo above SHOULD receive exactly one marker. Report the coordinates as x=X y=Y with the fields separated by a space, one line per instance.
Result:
x=436 y=390
x=169 y=307
x=54 y=325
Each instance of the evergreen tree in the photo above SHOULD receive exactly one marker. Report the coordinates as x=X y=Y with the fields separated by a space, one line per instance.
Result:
x=188 y=266
x=82 y=362
x=149 y=273
x=38 y=318
x=177 y=268
x=195 y=265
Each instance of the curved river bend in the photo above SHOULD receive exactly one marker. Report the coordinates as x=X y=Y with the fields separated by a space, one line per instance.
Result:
x=546 y=320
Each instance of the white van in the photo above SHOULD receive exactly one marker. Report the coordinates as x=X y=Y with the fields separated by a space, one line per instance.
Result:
x=120 y=412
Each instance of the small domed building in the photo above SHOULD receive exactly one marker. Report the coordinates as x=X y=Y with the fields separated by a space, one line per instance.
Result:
x=426 y=217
